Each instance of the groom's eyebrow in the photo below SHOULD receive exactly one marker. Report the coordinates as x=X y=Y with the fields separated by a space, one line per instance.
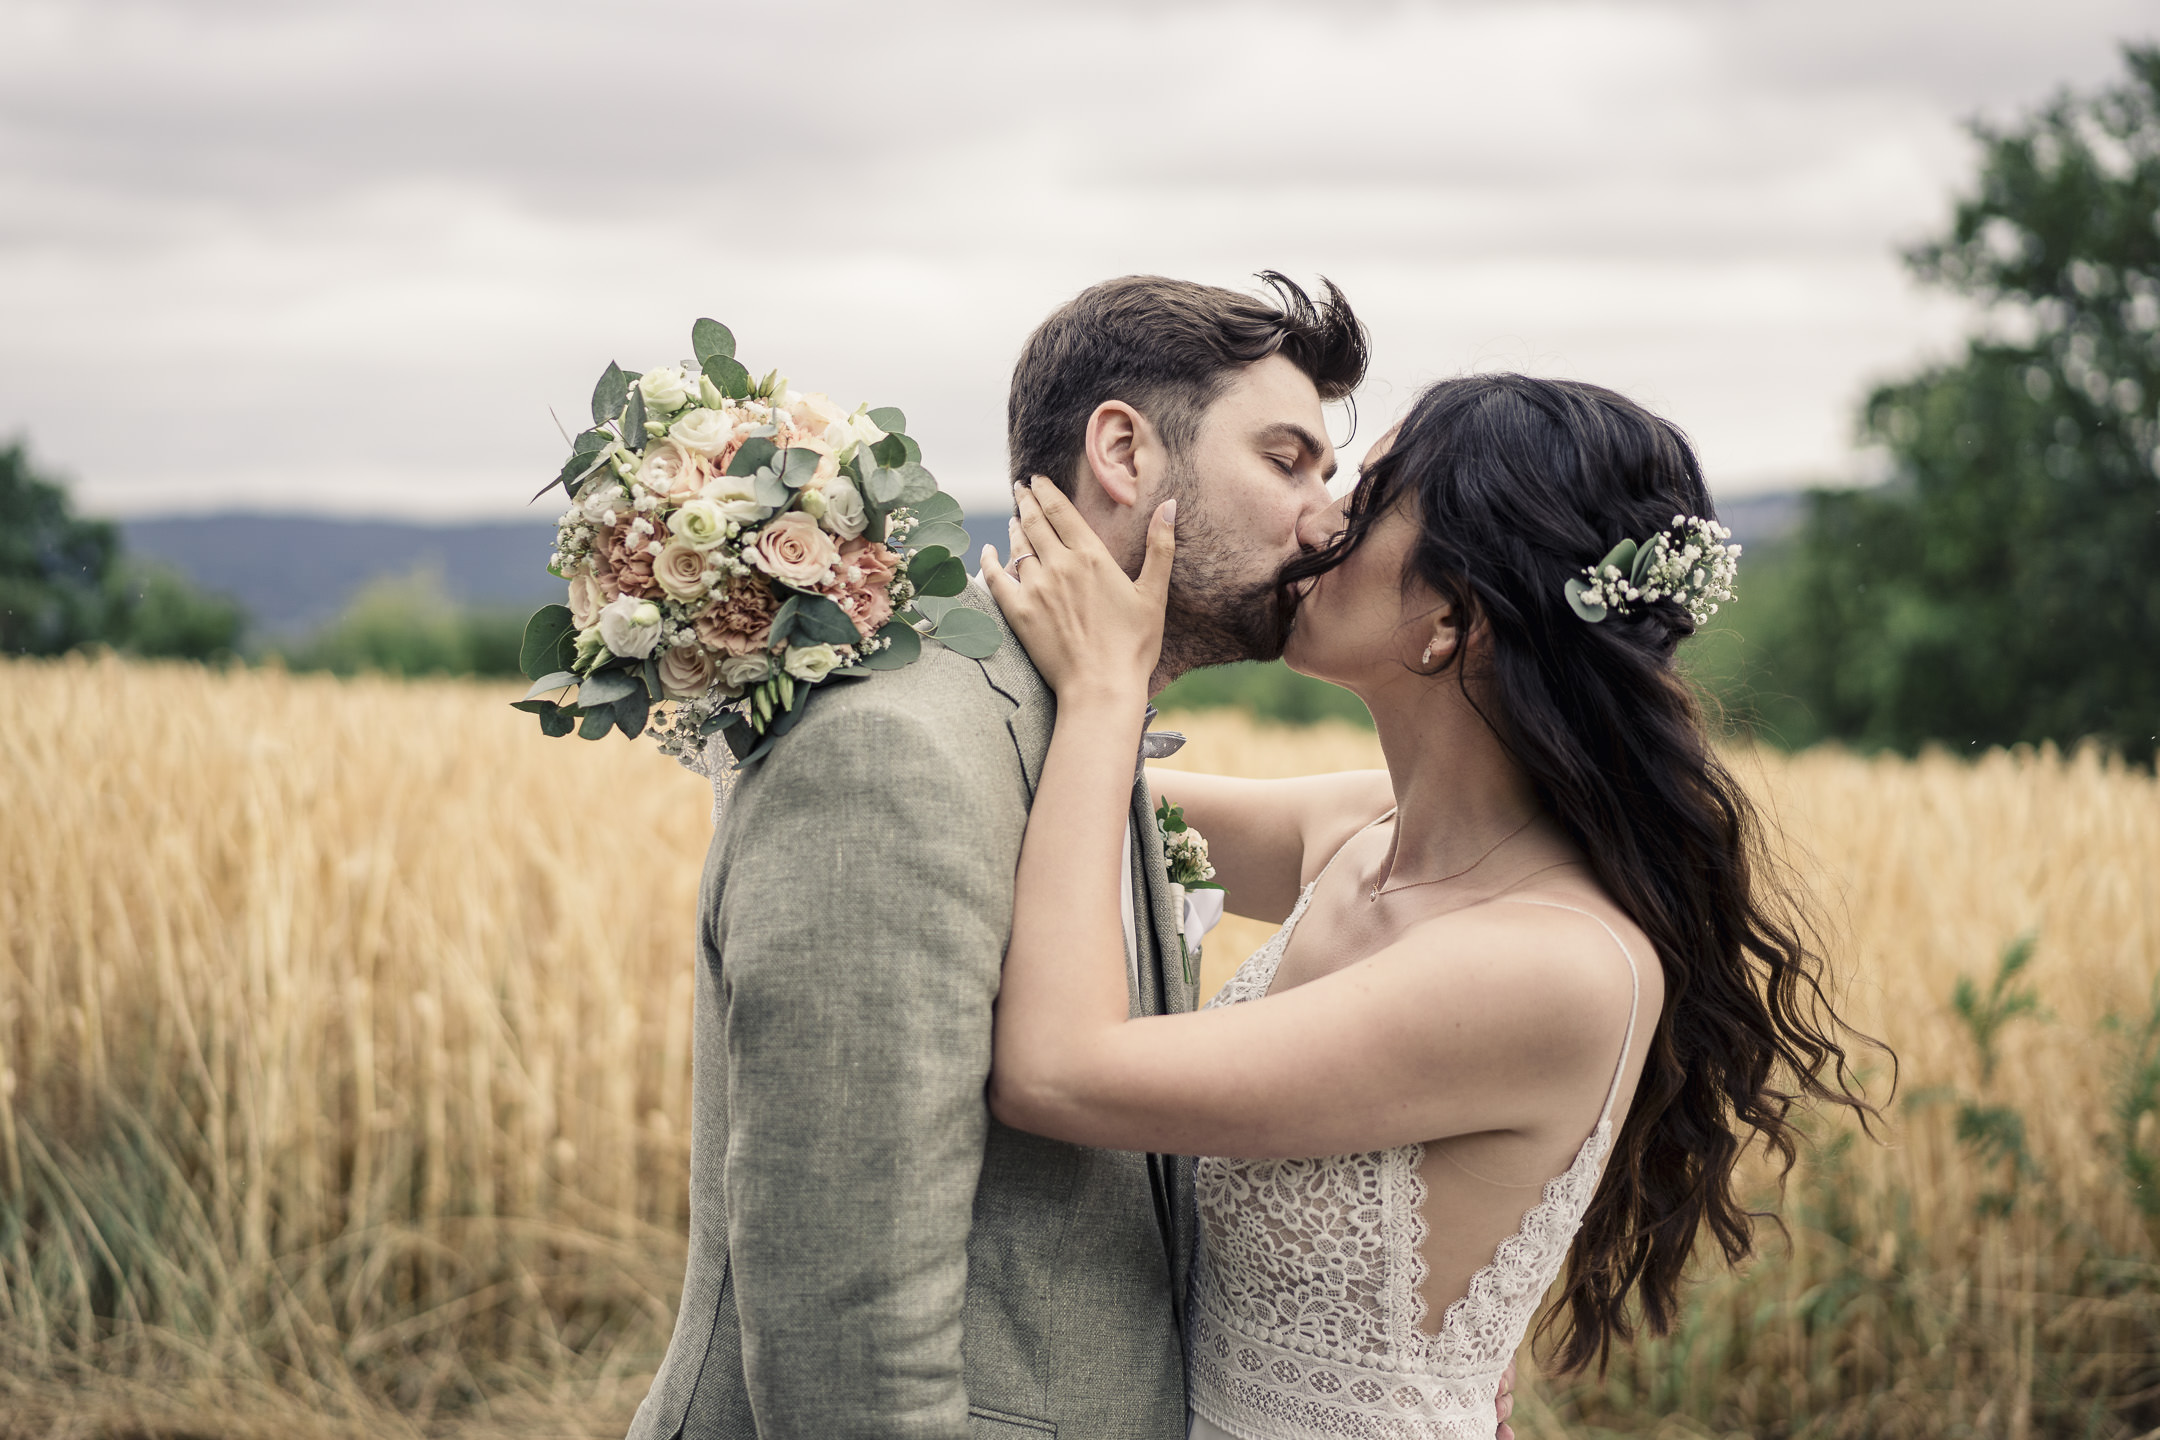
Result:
x=1304 y=439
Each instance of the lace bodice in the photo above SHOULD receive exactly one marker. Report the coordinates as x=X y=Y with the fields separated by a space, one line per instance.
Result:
x=1307 y=1310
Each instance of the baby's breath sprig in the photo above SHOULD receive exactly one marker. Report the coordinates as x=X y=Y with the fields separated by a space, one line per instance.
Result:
x=1688 y=561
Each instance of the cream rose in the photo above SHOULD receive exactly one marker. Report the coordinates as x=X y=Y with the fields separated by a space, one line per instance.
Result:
x=699 y=522
x=844 y=513
x=680 y=569
x=630 y=627
x=586 y=598
x=672 y=469
x=812 y=662
x=705 y=431
x=686 y=672
x=744 y=669
x=795 y=552
x=666 y=389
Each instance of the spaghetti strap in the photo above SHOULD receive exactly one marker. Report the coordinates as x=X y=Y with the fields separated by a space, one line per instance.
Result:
x=1612 y=1093
x=1313 y=883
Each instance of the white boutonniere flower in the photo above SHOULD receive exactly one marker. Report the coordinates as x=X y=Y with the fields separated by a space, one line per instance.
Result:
x=1192 y=879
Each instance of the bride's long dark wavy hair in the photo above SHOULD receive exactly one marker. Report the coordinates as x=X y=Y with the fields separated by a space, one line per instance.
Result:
x=1517 y=484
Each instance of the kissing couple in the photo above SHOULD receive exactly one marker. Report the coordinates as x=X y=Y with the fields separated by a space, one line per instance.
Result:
x=1537 y=985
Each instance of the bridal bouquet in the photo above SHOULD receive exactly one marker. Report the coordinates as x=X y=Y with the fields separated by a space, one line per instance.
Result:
x=730 y=547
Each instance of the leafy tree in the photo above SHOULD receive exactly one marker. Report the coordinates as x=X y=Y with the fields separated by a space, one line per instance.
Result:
x=2005 y=585
x=65 y=583
x=409 y=625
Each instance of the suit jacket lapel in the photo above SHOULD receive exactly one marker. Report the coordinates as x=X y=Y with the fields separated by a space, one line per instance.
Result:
x=1012 y=675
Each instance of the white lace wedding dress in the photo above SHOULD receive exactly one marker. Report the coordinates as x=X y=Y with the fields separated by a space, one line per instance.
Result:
x=1307 y=1315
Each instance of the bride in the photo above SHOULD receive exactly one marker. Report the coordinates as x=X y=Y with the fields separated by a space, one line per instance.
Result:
x=1533 y=993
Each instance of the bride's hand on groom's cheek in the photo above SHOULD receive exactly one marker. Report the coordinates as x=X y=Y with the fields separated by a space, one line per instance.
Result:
x=1090 y=630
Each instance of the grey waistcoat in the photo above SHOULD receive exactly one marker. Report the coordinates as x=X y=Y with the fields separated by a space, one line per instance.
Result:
x=870 y=1253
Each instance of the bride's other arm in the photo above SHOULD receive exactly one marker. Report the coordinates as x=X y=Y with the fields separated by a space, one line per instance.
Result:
x=1266 y=838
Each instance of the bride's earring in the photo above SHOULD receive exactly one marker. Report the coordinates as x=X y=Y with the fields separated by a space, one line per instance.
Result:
x=1426 y=658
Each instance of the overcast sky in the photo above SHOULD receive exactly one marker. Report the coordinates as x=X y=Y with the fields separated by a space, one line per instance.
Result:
x=343 y=256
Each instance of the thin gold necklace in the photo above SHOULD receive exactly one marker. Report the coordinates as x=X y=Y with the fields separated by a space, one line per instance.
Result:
x=1377 y=892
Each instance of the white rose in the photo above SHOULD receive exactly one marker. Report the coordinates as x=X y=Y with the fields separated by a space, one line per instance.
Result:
x=844 y=513
x=586 y=598
x=630 y=627
x=736 y=499
x=699 y=522
x=666 y=390
x=705 y=431
x=742 y=670
x=864 y=429
x=812 y=662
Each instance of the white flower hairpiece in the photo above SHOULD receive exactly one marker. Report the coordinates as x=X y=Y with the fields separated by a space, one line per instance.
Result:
x=1688 y=561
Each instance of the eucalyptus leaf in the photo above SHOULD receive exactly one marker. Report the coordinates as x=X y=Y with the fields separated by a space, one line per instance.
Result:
x=813 y=620
x=728 y=377
x=925 y=560
x=631 y=712
x=533 y=707
x=771 y=491
x=916 y=484
x=953 y=539
x=938 y=507
x=754 y=455
x=933 y=607
x=888 y=418
x=891 y=450
x=608 y=396
x=797 y=466
x=556 y=722
x=651 y=677
x=970 y=632
x=634 y=422
x=1621 y=556
x=709 y=339
x=1641 y=568
x=606 y=688
x=559 y=680
x=947 y=577
x=596 y=723
x=547 y=634
x=1587 y=609
x=911 y=453
x=905 y=649
x=882 y=486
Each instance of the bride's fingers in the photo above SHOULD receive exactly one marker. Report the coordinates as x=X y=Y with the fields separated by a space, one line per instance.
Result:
x=1065 y=518
x=1002 y=586
x=1036 y=531
x=1015 y=538
x=1154 y=580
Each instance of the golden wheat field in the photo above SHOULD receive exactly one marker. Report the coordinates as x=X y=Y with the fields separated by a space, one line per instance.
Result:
x=344 y=1038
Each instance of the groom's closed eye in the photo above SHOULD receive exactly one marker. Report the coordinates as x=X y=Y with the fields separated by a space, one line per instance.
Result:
x=1287 y=444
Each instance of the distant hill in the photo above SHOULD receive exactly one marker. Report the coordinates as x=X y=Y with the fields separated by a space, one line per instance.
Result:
x=293 y=573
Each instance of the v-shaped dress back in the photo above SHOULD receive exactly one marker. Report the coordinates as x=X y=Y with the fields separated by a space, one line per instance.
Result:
x=1307 y=1311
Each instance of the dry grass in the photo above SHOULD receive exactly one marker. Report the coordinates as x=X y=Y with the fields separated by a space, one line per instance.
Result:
x=341 y=1091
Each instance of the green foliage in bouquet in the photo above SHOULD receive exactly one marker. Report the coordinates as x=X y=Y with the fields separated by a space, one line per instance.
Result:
x=732 y=545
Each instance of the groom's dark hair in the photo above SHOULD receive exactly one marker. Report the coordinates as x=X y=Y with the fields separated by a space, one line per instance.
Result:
x=1168 y=348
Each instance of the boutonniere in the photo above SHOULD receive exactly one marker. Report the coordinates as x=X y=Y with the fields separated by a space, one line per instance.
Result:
x=1192 y=881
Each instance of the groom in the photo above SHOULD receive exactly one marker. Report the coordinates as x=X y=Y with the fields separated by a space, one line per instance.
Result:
x=870 y=1254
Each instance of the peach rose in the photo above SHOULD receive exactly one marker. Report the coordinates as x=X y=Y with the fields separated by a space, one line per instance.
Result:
x=686 y=672
x=672 y=469
x=794 y=551
x=586 y=597
x=877 y=563
x=680 y=569
x=868 y=606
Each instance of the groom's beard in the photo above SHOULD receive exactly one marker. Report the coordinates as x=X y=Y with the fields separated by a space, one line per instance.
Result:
x=1219 y=610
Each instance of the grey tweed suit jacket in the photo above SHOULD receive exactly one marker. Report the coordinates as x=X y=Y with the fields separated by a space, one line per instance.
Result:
x=870 y=1253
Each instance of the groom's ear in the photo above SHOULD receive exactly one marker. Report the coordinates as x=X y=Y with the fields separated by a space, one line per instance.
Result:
x=1123 y=452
